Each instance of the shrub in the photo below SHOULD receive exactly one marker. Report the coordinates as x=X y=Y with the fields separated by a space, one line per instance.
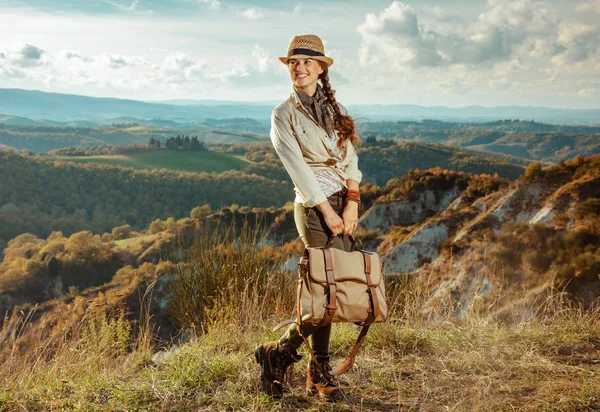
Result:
x=588 y=208
x=225 y=277
x=200 y=212
x=157 y=226
x=507 y=256
x=121 y=232
x=533 y=172
x=536 y=260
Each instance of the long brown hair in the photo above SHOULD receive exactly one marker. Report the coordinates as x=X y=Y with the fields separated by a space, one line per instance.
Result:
x=344 y=124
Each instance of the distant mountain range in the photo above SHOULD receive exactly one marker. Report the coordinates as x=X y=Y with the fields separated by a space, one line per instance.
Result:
x=38 y=106
x=230 y=124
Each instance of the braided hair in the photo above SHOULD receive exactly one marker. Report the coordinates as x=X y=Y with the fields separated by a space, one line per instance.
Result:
x=344 y=124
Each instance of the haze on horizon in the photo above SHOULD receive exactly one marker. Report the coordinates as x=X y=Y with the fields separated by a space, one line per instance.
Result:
x=433 y=52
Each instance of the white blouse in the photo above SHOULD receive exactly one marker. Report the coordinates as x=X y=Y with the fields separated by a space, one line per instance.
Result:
x=329 y=181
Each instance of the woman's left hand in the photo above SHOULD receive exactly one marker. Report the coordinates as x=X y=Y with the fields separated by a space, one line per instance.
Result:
x=350 y=217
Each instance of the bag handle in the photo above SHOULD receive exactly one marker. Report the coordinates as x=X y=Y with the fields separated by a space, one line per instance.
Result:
x=356 y=243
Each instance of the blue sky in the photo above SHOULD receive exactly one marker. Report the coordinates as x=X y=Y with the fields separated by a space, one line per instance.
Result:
x=451 y=53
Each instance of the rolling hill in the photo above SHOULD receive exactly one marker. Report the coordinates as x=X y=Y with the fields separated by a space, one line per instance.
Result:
x=46 y=138
x=41 y=195
x=195 y=162
x=527 y=140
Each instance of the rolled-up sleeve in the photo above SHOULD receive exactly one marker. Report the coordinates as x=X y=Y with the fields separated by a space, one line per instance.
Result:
x=351 y=169
x=289 y=152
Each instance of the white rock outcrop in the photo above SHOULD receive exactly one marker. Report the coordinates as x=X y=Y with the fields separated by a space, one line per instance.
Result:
x=422 y=246
x=543 y=215
x=406 y=212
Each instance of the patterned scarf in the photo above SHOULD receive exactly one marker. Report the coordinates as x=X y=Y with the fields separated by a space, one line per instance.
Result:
x=317 y=106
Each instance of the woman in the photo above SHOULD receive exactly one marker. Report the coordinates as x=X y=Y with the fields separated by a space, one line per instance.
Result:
x=313 y=136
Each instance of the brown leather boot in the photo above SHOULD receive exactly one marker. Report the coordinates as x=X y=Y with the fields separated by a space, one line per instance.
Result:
x=320 y=381
x=274 y=361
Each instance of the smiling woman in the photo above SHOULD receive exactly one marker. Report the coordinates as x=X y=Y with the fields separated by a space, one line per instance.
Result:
x=313 y=136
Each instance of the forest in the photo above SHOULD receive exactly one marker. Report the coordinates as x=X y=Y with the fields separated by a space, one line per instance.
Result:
x=42 y=195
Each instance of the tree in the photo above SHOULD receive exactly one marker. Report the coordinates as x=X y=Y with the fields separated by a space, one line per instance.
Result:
x=157 y=226
x=200 y=212
x=533 y=172
x=121 y=232
x=171 y=144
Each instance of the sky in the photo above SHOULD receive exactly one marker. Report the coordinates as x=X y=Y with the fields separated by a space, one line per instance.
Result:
x=427 y=52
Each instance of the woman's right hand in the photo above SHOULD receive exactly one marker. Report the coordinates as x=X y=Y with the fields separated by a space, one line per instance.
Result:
x=333 y=221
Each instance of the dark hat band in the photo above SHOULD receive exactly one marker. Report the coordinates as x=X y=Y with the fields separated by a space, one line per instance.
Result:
x=307 y=52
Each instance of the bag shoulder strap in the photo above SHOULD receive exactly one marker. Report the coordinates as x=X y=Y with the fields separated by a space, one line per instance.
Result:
x=374 y=314
x=331 y=306
x=349 y=361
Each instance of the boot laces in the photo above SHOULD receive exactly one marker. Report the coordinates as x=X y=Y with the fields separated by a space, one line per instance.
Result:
x=321 y=374
x=281 y=362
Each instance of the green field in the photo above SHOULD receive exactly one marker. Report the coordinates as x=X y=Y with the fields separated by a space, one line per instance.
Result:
x=173 y=160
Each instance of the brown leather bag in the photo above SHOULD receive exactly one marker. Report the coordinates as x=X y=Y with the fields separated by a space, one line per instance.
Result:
x=338 y=286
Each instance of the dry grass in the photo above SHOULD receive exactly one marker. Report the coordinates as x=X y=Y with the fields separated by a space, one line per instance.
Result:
x=415 y=361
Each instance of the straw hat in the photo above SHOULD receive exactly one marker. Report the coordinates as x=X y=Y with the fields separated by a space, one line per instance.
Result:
x=307 y=46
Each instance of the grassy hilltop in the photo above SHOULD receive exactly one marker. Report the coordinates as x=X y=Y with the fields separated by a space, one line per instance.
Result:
x=195 y=162
x=95 y=360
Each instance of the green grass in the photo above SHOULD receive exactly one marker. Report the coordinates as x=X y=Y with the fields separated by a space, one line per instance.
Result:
x=174 y=160
x=480 y=367
x=140 y=128
x=126 y=243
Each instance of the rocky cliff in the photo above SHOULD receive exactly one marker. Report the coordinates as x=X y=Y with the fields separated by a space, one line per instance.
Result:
x=522 y=239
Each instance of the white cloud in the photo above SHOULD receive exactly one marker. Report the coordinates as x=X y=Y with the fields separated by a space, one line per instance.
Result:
x=509 y=49
x=23 y=56
x=578 y=41
x=214 y=4
x=589 y=6
x=114 y=61
x=507 y=30
x=591 y=92
x=131 y=7
x=298 y=9
x=505 y=26
x=252 y=14
x=176 y=71
x=264 y=59
x=71 y=55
